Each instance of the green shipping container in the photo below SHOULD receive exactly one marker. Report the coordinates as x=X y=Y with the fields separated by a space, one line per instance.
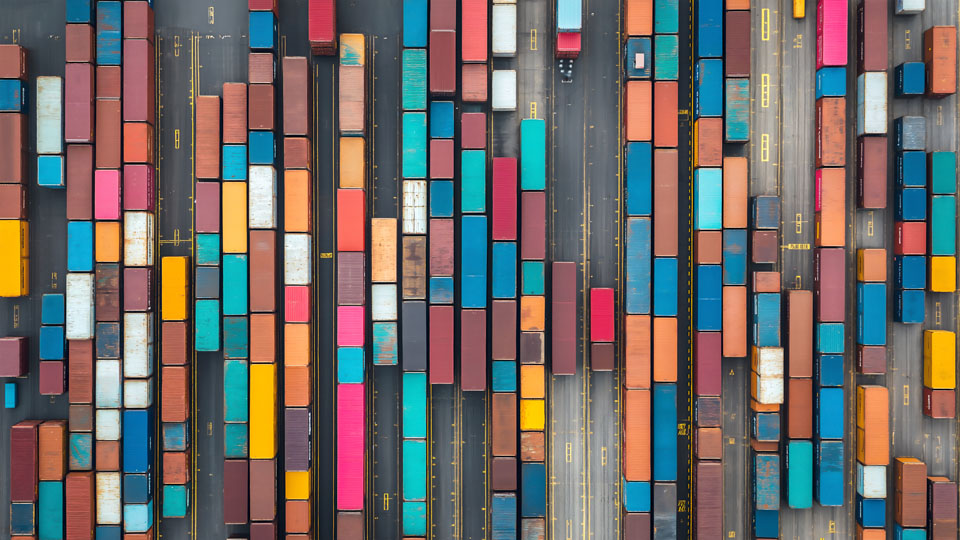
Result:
x=236 y=340
x=737 y=100
x=207 y=325
x=533 y=154
x=414 y=405
x=666 y=63
x=414 y=78
x=943 y=225
x=235 y=285
x=942 y=169
x=473 y=181
x=414 y=145
x=236 y=441
x=50 y=511
x=414 y=470
x=208 y=249
x=236 y=391
x=532 y=278
x=666 y=16
x=800 y=474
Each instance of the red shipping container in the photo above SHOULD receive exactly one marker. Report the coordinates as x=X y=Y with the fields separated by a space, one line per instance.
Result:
x=504 y=199
x=601 y=314
x=138 y=187
x=267 y=530
x=473 y=25
x=79 y=503
x=79 y=42
x=351 y=219
x=473 y=130
x=207 y=207
x=263 y=499
x=602 y=356
x=799 y=411
x=235 y=491
x=263 y=267
x=871 y=360
x=297 y=303
x=441 y=158
x=911 y=238
x=829 y=269
x=13 y=62
x=665 y=114
x=533 y=224
x=707 y=376
x=831 y=133
x=443 y=15
x=139 y=81
x=13 y=201
x=261 y=68
x=260 y=106
x=296 y=96
x=78 y=103
x=567 y=45
x=109 y=82
x=473 y=353
x=235 y=112
x=138 y=21
x=173 y=339
x=297 y=153
x=52 y=381
x=708 y=488
x=322 y=26
x=872 y=35
x=175 y=468
x=441 y=247
x=52 y=444
x=443 y=62
x=736 y=61
x=473 y=83
x=799 y=333
x=13 y=136
x=564 y=317
x=207 y=139
x=23 y=461
x=940 y=57
x=503 y=330
x=441 y=344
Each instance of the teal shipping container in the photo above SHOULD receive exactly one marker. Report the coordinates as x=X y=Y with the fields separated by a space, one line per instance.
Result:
x=532 y=276
x=236 y=391
x=414 y=163
x=236 y=441
x=943 y=225
x=942 y=169
x=533 y=490
x=414 y=462
x=207 y=325
x=414 y=519
x=414 y=80
x=350 y=54
x=441 y=290
x=504 y=375
x=235 y=285
x=473 y=181
x=385 y=343
x=81 y=451
x=666 y=17
x=414 y=405
x=800 y=474
x=350 y=365
x=737 y=105
x=533 y=152
x=504 y=270
x=236 y=338
x=174 y=501
x=503 y=516
x=50 y=511
x=830 y=338
x=708 y=199
x=208 y=249
x=666 y=63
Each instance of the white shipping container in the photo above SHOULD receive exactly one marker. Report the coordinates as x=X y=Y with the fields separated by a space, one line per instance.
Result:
x=872 y=103
x=872 y=481
x=769 y=390
x=107 y=424
x=910 y=7
x=414 y=207
x=108 y=384
x=383 y=300
x=49 y=115
x=108 y=498
x=768 y=361
x=296 y=259
x=138 y=393
x=137 y=345
x=504 y=30
x=504 y=90
x=262 y=188
x=80 y=317
x=138 y=238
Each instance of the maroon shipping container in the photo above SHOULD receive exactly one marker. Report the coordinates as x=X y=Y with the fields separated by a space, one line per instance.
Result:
x=503 y=423
x=173 y=343
x=137 y=289
x=52 y=378
x=350 y=282
x=263 y=530
x=829 y=275
x=736 y=60
x=349 y=525
x=78 y=103
x=13 y=61
x=800 y=333
x=297 y=152
x=708 y=489
x=707 y=376
x=234 y=113
x=872 y=170
x=533 y=225
x=503 y=328
x=443 y=62
x=109 y=82
x=78 y=41
x=138 y=21
x=871 y=360
x=80 y=371
x=531 y=348
x=799 y=408
x=138 y=187
x=207 y=207
x=636 y=526
x=13 y=201
x=872 y=35
x=503 y=474
x=263 y=496
x=109 y=144
x=235 y=490
x=80 y=418
x=443 y=15
x=939 y=403
x=504 y=199
x=707 y=411
x=108 y=292
x=941 y=508
x=260 y=104
x=296 y=99
x=139 y=81
x=23 y=461
x=441 y=344
x=14 y=358
x=13 y=136
x=473 y=350
x=79 y=517
x=564 y=289
x=602 y=356
x=441 y=158
x=473 y=130
x=207 y=137
x=262 y=5
x=296 y=439
x=261 y=68
x=263 y=271
x=441 y=247
x=79 y=182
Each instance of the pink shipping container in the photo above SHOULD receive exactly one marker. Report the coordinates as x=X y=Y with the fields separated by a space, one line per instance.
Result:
x=351 y=428
x=296 y=303
x=138 y=183
x=139 y=81
x=706 y=363
x=443 y=62
x=473 y=24
x=831 y=33
x=441 y=247
x=207 y=211
x=473 y=130
x=533 y=218
x=829 y=277
x=504 y=198
x=441 y=158
x=473 y=350
x=441 y=344
x=106 y=201
x=78 y=111
x=350 y=326
x=601 y=315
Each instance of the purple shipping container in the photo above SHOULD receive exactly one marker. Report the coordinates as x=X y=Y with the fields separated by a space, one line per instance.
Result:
x=138 y=183
x=78 y=103
x=207 y=212
x=830 y=289
x=296 y=439
x=350 y=284
x=533 y=239
x=137 y=289
x=473 y=350
x=941 y=508
x=53 y=381
x=139 y=84
x=707 y=377
x=564 y=317
x=636 y=526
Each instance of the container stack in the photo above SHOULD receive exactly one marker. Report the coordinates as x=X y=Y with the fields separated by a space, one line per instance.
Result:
x=942 y=249
x=939 y=373
x=799 y=397
x=911 y=212
x=941 y=508
x=50 y=162
x=175 y=381
x=569 y=25
x=873 y=455
x=910 y=498
x=14 y=266
x=736 y=72
x=871 y=103
x=351 y=311
x=321 y=26
x=23 y=474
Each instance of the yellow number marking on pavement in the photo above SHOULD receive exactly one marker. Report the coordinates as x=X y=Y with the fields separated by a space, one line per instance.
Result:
x=765 y=24
x=533 y=39
x=533 y=109
x=764 y=90
x=765 y=147
x=16 y=316
x=568 y=453
x=798 y=41
x=210 y=14
x=176 y=139
x=386 y=501
x=906 y=394
x=906 y=39
x=603 y=456
x=870 y=223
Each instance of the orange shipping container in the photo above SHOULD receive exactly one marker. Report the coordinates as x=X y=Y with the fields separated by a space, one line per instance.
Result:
x=296 y=386
x=207 y=138
x=353 y=163
x=940 y=55
x=532 y=381
x=708 y=142
x=532 y=309
x=636 y=435
x=138 y=146
x=872 y=265
x=637 y=352
x=738 y=4
x=664 y=349
x=52 y=442
x=108 y=242
x=263 y=338
x=665 y=113
x=174 y=400
x=735 y=322
x=665 y=202
x=351 y=219
x=175 y=466
x=532 y=446
x=383 y=250
x=296 y=344
x=639 y=18
x=831 y=132
x=800 y=333
x=234 y=113
x=234 y=236
x=297 y=201
x=831 y=227
x=873 y=425
x=107 y=455
x=735 y=186
x=637 y=102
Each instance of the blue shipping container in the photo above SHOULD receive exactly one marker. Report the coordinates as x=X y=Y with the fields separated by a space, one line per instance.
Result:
x=638 y=266
x=263 y=30
x=236 y=338
x=872 y=313
x=414 y=519
x=50 y=172
x=737 y=105
x=441 y=118
x=137 y=440
x=13 y=95
x=569 y=15
x=766 y=481
x=708 y=199
x=137 y=518
x=441 y=290
x=80 y=11
x=831 y=82
x=22 y=518
x=441 y=198
x=830 y=338
x=52 y=308
x=709 y=298
x=911 y=169
x=263 y=149
x=414 y=405
x=108 y=532
x=175 y=437
x=137 y=488
x=504 y=270
x=910 y=79
x=414 y=465
x=910 y=133
x=51 y=343
x=765 y=212
x=504 y=375
x=665 y=432
x=236 y=441
x=911 y=204
x=81 y=451
x=10 y=395
x=942 y=169
x=208 y=249
x=708 y=88
x=636 y=496
x=710 y=29
x=665 y=287
x=766 y=523
x=503 y=516
x=473 y=262
x=942 y=231
x=637 y=58
x=910 y=271
x=234 y=162
x=350 y=365
x=766 y=427
x=236 y=391
x=899 y=533
x=533 y=490
x=414 y=23
x=871 y=512
x=638 y=170
x=80 y=246
x=50 y=511
x=734 y=256
x=108 y=340
x=109 y=26
x=385 y=343
x=910 y=306
x=829 y=369
x=830 y=413
x=234 y=271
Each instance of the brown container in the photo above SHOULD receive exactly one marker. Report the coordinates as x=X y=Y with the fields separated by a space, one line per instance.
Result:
x=264 y=530
x=708 y=247
x=109 y=82
x=297 y=153
x=910 y=509
x=708 y=443
x=637 y=352
x=109 y=147
x=235 y=490
x=533 y=529
x=443 y=62
x=503 y=424
x=910 y=476
x=736 y=54
x=871 y=360
x=829 y=274
x=175 y=468
x=503 y=474
x=873 y=425
x=13 y=62
x=350 y=278
x=349 y=525
x=296 y=99
x=831 y=214
x=107 y=292
x=296 y=386
x=799 y=408
x=107 y=455
x=735 y=188
x=297 y=517
x=766 y=282
x=443 y=15
x=79 y=181
x=441 y=247
x=139 y=81
x=138 y=143
x=638 y=17
x=637 y=100
x=207 y=137
x=665 y=113
x=636 y=435
x=708 y=493
x=872 y=35
x=352 y=100
x=799 y=334
x=765 y=247
x=173 y=343
x=533 y=223
x=665 y=202
x=872 y=265
x=872 y=172
x=80 y=371
x=602 y=356
x=939 y=403
x=79 y=501
x=734 y=322
x=80 y=418
x=234 y=113
x=23 y=461
x=263 y=330
x=263 y=267
x=473 y=82
x=473 y=353
x=263 y=498
x=78 y=41
x=532 y=446
x=831 y=132
x=138 y=21
x=531 y=348
x=708 y=142
x=414 y=284
x=636 y=526
x=707 y=411
x=297 y=201
x=174 y=396
x=940 y=55
x=941 y=499
x=261 y=68
x=503 y=328
x=52 y=441
x=260 y=105
x=13 y=137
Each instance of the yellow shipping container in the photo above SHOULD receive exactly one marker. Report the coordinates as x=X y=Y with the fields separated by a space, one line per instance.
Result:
x=234 y=202
x=108 y=241
x=352 y=49
x=939 y=359
x=14 y=249
x=173 y=292
x=353 y=165
x=532 y=381
x=943 y=274
x=263 y=411
x=532 y=415
x=297 y=485
x=532 y=310
x=383 y=250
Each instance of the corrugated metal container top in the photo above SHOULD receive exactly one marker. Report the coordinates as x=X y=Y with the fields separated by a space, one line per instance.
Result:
x=708 y=88
x=799 y=479
x=638 y=264
x=414 y=80
x=910 y=133
x=830 y=206
x=443 y=62
x=296 y=102
x=109 y=24
x=569 y=15
x=872 y=172
x=352 y=102
x=831 y=33
x=708 y=199
x=831 y=132
x=504 y=199
x=322 y=23
x=737 y=103
x=737 y=51
x=13 y=130
x=872 y=103
x=78 y=103
x=139 y=81
x=710 y=29
x=940 y=55
x=473 y=24
x=800 y=333
x=872 y=35
x=708 y=480
x=831 y=82
x=638 y=20
x=638 y=57
x=13 y=58
x=871 y=313
x=666 y=58
x=50 y=114
x=829 y=271
x=766 y=481
x=638 y=169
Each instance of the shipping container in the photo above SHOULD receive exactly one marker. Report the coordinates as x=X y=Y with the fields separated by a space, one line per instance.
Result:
x=13 y=58
x=872 y=172
x=941 y=507
x=473 y=278
x=872 y=102
x=872 y=36
x=737 y=44
x=322 y=26
x=831 y=33
x=569 y=15
x=503 y=84
x=504 y=219
x=109 y=25
x=871 y=313
x=638 y=266
x=708 y=482
x=79 y=115
x=831 y=130
x=139 y=80
x=109 y=126
x=13 y=130
x=737 y=106
x=940 y=57
x=563 y=317
x=296 y=103
x=50 y=114
x=829 y=271
x=473 y=25
x=207 y=129
x=638 y=20
x=443 y=63
x=710 y=29
x=910 y=133
x=80 y=319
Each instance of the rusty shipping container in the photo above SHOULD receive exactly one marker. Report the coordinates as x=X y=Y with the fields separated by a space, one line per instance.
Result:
x=80 y=371
x=261 y=67
x=107 y=292
x=352 y=102
x=52 y=444
x=174 y=397
x=78 y=110
x=296 y=99
x=441 y=247
x=831 y=135
x=79 y=514
x=940 y=56
x=708 y=142
x=636 y=435
x=872 y=172
x=297 y=153
x=942 y=508
x=414 y=256
x=109 y=144
x=263 y=270
x=207 y=139
x=173 y=339
x=799 y=333
x=872 y=35
x=23 y=461
x=503 y=424
x=234 y=113
x=799 y=408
